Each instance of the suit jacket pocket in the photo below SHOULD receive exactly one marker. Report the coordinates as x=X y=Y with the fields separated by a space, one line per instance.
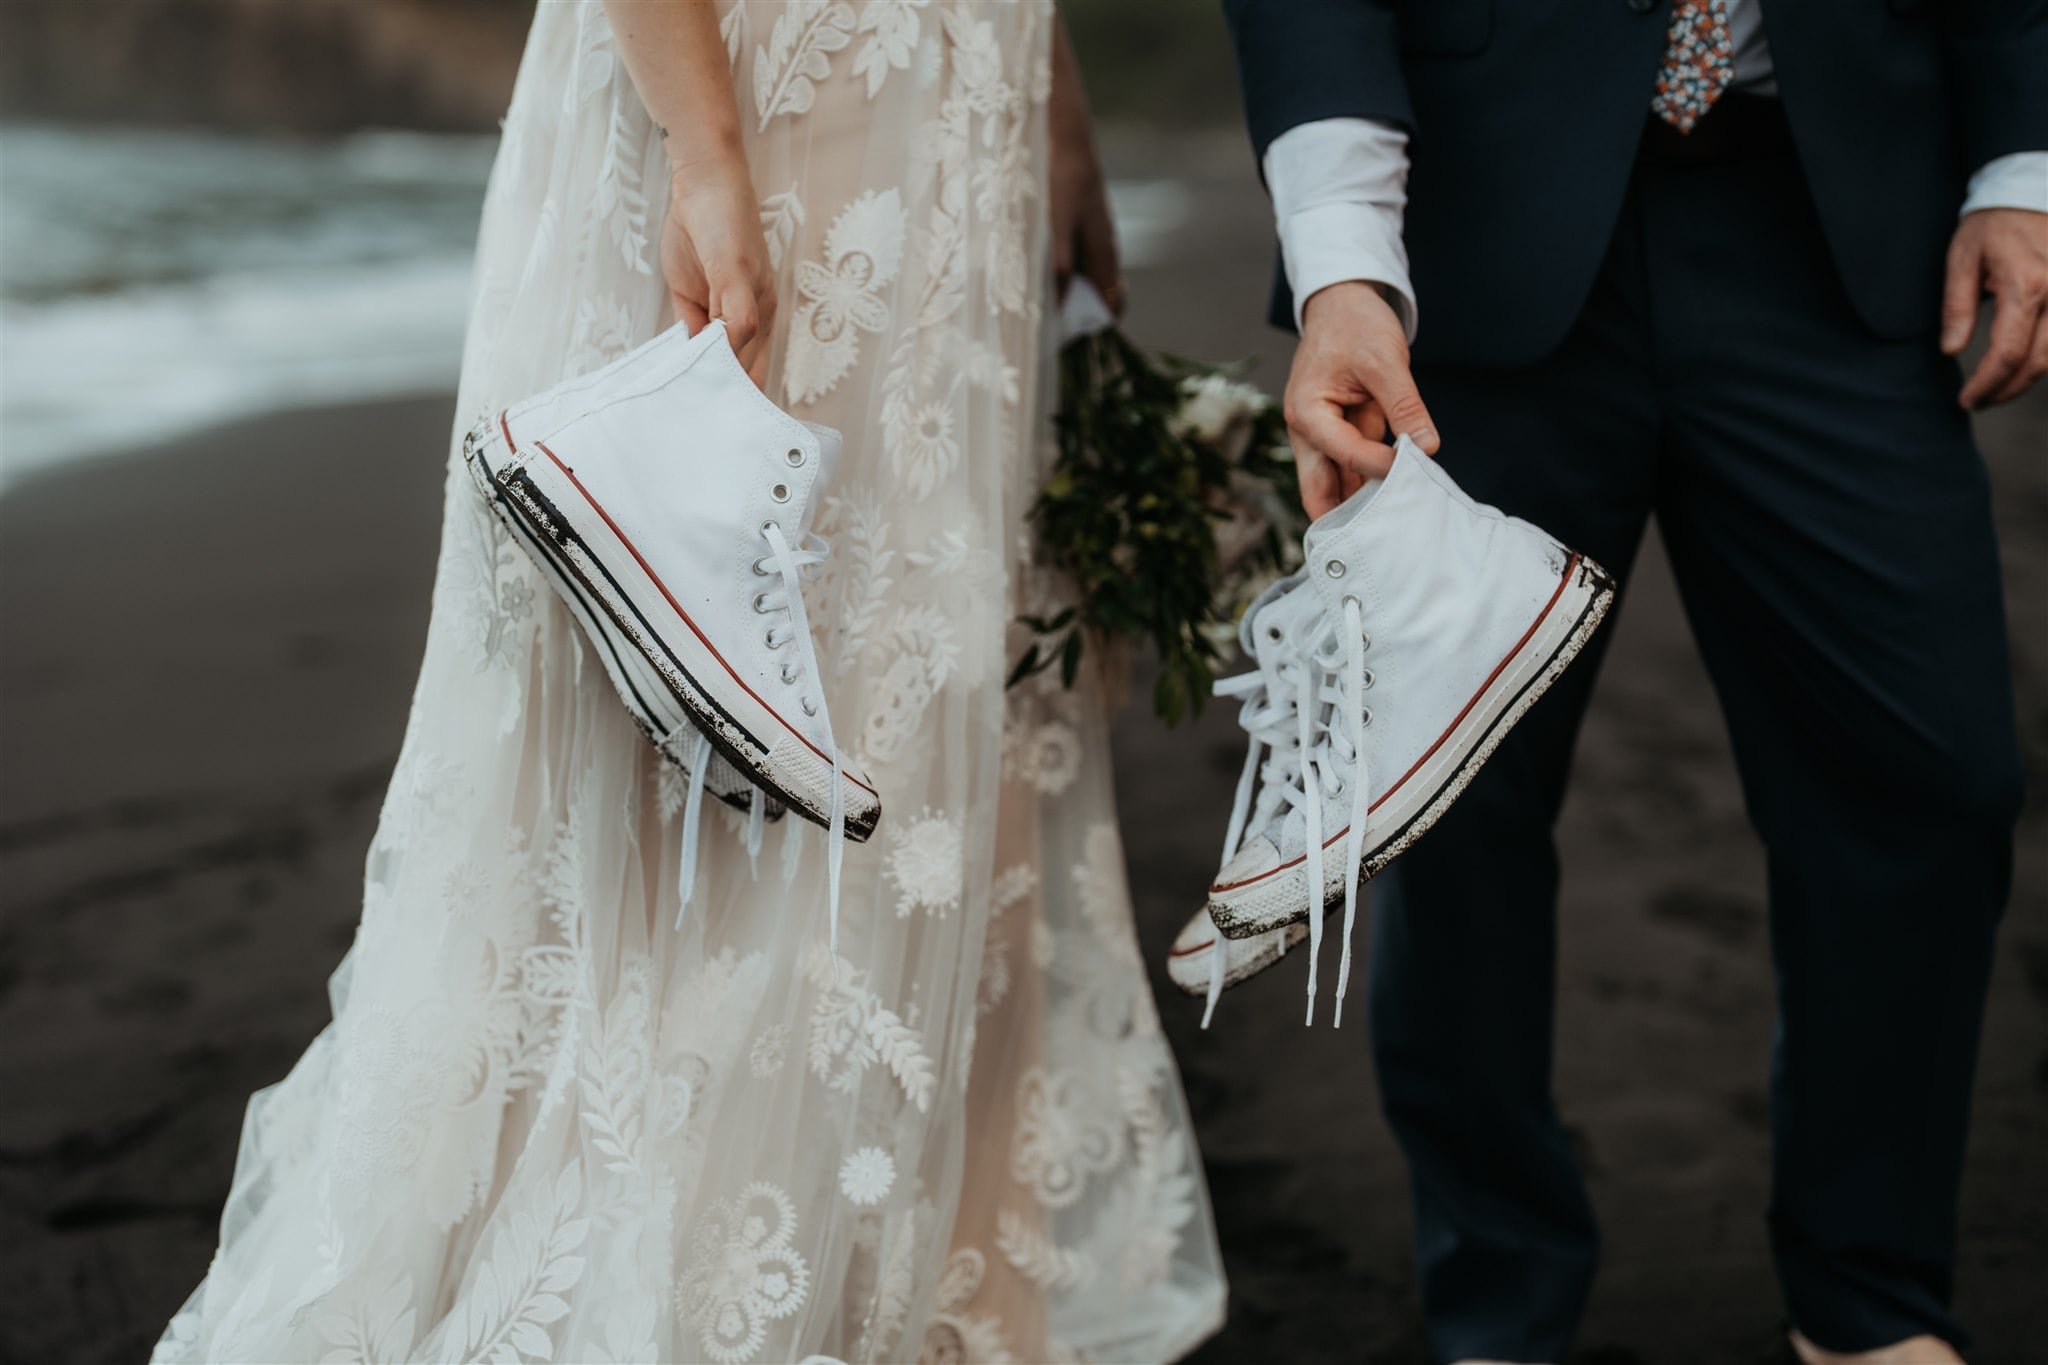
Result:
x=1446 y=28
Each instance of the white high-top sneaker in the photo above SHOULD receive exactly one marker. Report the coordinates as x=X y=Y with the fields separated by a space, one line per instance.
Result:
x=679 y=499
x=652 y=707
x=1422 y=627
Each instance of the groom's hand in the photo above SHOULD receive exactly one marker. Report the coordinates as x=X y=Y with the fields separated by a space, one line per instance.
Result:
x=2004 y=253
x=1350 y=393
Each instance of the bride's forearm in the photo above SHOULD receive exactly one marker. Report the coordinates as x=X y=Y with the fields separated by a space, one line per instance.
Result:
x=714 y=257
x=677 y=60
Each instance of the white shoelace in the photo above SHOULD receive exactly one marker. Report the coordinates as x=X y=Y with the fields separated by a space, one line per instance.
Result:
x=791 y=564
x=757 y=822
x=697 y=759
x=1353 y=685
x=1291 y=704
x=699 y=764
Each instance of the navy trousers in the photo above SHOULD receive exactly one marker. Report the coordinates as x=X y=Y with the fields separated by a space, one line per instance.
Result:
x=1829 y=524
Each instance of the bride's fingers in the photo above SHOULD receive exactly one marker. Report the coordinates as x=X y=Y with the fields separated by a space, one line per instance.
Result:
x=764 y=331
x=1099 y=255
x=748 y=310
x=754 y=360
x=741 y=315
x=689 y=311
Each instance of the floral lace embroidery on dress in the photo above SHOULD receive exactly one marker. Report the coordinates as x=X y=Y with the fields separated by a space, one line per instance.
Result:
x=544 y=1125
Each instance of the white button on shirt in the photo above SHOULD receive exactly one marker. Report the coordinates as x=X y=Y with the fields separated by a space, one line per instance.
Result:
x=1340 y=187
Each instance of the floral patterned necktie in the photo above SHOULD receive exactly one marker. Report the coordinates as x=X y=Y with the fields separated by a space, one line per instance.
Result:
x=1699 y=62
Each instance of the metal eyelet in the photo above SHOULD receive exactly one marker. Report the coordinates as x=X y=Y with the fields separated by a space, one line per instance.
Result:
x=760 y=572
x=1273 y=634
x=795 y=458
x=810 y=708
x=1366 y=638
x=1335 y=568
x=760 y=603
x=768 y=638
x=1366 y=718
x=780 y=492
x=1351 y=599
x=770 y=525
x=788 y=673
x=1370 y=679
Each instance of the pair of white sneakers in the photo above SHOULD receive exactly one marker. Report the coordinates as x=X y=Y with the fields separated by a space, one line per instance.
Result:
x=1420 y=629
x=644 y=492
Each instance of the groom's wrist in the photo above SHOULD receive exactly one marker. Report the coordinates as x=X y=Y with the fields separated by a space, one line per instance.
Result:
x=1385 y=292
x=1351 y=299
x=2015 y=181
x=1331 y=244
x=1353 y=292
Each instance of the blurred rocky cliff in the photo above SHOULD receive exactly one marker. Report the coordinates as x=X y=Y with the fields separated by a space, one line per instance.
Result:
x=323 y=66
x=297 y=65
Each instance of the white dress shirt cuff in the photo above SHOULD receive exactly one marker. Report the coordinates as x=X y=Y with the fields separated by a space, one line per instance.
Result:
x=1339 y=189
x=2017 y=181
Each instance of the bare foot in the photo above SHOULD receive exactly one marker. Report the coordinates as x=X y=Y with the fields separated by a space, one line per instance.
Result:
x=1911 y=1351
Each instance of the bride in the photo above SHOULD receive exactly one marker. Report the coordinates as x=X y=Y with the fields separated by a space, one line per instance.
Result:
x=545 y=1124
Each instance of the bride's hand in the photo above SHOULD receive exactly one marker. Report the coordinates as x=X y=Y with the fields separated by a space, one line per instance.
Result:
x=1083 y=237
x=714 y=256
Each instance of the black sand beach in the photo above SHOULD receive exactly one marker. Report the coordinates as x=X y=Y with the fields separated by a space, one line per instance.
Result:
x=206 y=656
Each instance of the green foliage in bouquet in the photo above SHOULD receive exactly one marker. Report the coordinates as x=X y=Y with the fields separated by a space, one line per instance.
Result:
x=1172 y=501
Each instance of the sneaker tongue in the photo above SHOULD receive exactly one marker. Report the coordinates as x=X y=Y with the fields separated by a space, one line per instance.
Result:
x=1348 y=511
x=1248 y=623
x=1299 y=617
x=831 y=450
x=1293 y=611
x=831 y=447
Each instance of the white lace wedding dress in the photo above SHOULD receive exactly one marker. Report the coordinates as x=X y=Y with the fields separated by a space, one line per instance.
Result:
x=545 y=1125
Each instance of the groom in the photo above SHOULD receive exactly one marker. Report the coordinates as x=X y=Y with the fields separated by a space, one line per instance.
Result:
x=1707 y=260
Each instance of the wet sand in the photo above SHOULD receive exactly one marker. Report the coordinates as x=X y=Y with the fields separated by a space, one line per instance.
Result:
x=206 y=656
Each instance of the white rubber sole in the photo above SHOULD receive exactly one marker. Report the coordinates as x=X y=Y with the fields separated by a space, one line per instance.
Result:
x=578 y=545
x=1188 y=961
x=1281 y=897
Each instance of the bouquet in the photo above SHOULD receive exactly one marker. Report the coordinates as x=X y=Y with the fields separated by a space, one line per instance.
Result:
x=1170 y=505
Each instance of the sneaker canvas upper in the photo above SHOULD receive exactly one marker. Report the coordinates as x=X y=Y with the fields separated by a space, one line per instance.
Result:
x=1412 y=598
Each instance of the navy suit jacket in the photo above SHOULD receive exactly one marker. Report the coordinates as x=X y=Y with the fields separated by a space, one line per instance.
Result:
x=1524 y=116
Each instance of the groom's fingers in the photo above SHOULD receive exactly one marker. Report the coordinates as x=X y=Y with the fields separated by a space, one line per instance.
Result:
x=1322 y=427
x=1394 y=390
x=1321 y=488
x=1350 y=383
x=2012 y=335
x=1962 y=286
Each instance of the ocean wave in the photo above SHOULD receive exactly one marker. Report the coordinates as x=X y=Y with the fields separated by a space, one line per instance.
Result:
x=158 y=282
x=105 y=372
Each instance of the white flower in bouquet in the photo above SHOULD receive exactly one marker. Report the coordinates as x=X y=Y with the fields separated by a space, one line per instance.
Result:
x=1255 y=517
x=1169 y=504
x=1217 y=409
